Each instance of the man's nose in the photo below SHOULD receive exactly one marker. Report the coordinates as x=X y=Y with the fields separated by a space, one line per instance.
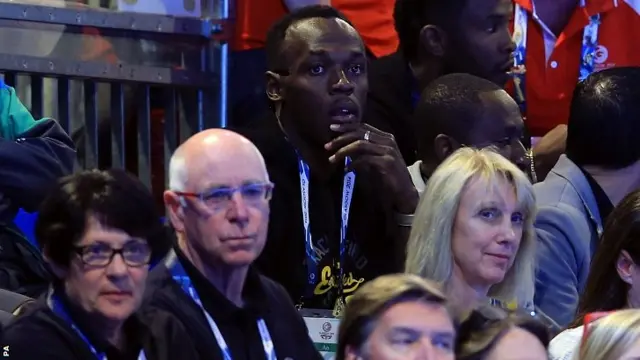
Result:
x=508 y=41
x=342 y=84
x=238 y=212
x=511 y=45
x=426 y=350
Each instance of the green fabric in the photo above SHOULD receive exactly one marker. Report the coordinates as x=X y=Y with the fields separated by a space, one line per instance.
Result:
x=15 y=119
x=326 y=347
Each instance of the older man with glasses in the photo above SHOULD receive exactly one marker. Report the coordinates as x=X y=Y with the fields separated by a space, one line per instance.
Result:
x=218 y=204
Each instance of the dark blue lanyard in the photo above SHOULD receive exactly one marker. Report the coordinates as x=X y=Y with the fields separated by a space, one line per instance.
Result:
x=180 y=276
x=347 y=195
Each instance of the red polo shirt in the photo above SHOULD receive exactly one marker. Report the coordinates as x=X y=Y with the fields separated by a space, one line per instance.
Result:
x=253 y=19
x=374 y=21
x=550 y=83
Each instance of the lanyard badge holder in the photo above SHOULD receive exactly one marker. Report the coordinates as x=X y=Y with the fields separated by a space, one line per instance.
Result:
x=56 y=306
x=313 y=260
x=587 y=52
x=180 y=276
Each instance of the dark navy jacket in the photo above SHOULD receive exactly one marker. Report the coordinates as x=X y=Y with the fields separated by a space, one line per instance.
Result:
x=34 y=154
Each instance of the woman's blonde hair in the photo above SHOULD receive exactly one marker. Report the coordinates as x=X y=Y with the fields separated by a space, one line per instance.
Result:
x=611 y=336
x=373 y=299
x=429 y=251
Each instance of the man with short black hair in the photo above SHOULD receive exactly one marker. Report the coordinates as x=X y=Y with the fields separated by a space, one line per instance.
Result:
x=464 y=110
x=601 y=167
x=343 y=197
x=439 y=37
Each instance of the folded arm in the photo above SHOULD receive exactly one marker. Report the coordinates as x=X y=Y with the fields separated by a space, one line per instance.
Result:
x=33 y=153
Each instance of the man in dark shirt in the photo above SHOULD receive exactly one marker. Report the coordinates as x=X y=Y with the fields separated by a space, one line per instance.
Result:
x=343 y=197
x=458 y=110
x=601 y=167
x=219 y=207
x=437 y=38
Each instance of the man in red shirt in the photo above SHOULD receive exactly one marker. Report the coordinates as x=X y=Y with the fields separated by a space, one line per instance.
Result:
x=374 y=21
x=439 y=38
x=559 y=42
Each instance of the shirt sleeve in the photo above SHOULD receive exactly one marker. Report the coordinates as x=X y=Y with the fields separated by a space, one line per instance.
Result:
x=560 y=252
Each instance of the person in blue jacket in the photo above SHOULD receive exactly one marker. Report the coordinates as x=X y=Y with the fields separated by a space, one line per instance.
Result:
x=33 y=155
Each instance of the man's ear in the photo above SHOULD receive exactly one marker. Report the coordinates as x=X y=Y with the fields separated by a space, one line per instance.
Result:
x=433 y=40
x=175 y=206
x=443 y=146
x=274 y=86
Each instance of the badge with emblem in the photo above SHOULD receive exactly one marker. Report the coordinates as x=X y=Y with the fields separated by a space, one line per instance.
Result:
x=338 y=309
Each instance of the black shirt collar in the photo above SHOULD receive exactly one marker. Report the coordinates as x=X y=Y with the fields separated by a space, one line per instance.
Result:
x=605 y=207
x=133 y=330
x=253 y=293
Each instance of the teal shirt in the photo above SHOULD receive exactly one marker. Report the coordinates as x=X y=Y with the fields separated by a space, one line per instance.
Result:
x=34 y=154
x=15 y=119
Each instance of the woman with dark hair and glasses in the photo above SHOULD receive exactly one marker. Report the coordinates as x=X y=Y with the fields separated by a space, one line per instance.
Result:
x=491 y=333
x=614 y=276
x=99 y=231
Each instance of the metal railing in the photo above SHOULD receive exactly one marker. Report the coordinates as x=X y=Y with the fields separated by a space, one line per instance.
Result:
x=128 y=87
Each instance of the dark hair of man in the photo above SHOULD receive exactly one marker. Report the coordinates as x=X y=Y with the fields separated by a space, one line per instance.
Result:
x=605 y=290
x=374 y=298
x=278 y=31
x=449 y=105
x=410 y=16
x=114 y=198
x=603 y=123
x=482 y=330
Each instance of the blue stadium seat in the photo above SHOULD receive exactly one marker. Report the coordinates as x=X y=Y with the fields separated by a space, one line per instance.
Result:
x=26 y=222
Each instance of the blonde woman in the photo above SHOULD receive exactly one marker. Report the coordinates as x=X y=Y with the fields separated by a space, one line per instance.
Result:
x=614 y=336
x=473 y=231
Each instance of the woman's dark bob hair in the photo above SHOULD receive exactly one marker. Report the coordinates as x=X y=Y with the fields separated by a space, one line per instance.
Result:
x=113 y=197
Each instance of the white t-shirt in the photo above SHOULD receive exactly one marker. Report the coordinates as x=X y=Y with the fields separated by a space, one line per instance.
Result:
x=565 y=344
x=416 y=176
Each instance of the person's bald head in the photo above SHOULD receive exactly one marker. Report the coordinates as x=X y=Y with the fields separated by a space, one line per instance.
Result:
x=218 y=202
x=215 y=157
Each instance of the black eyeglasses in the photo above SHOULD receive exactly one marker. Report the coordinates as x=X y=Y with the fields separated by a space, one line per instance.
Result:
x=221 y=196
x=133 y=254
